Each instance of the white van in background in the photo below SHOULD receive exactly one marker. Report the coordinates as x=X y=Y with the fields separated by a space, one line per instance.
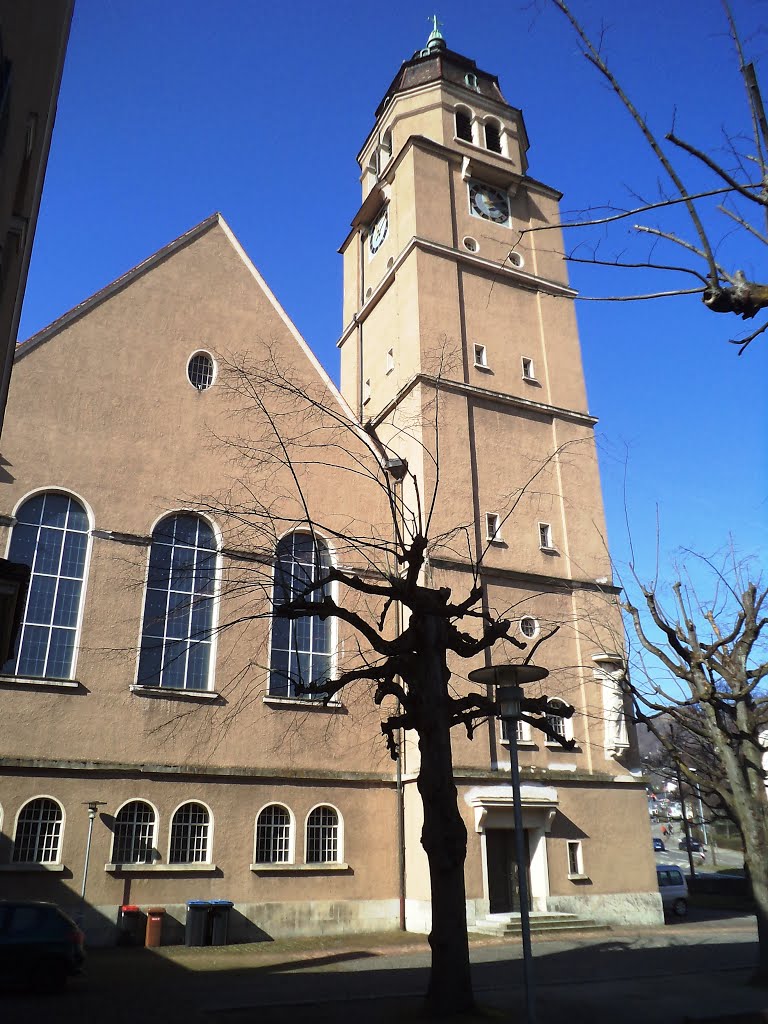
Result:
x=673 y=888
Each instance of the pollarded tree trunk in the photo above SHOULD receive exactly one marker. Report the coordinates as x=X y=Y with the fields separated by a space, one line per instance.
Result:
x=444 y=835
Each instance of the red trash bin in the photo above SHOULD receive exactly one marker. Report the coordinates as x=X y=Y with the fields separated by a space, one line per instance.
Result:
x=154 y=934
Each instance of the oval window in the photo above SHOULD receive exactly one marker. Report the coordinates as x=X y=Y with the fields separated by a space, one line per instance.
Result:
x=200 y=371
x=529 y=626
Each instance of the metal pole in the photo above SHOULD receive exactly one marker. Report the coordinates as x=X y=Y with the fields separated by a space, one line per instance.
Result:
x=522 y=876
x=93 y=806
x=686 y=826
x=701 y=815
x=91 y=818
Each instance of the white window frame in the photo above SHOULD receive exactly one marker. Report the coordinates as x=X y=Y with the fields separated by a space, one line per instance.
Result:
x=493 y=528
x=215 y=596
x=545 y=537
x=277 y=699
x=339 y=858
x=291 y=858
x=59 y=838
x=480 y=355
x=528 y=369
x=209 y=835
x=567 y=730
x=524 y=734
x=153 y=838
x=536 y=627
x=575 y=846
x=214 y=370
x=41 y=492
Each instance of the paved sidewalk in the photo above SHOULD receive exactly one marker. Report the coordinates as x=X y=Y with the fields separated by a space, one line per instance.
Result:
x=667 y=975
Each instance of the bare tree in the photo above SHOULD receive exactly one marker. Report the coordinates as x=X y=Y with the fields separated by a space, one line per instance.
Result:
x=700 y=666
x=733 y=197
x=404 y=635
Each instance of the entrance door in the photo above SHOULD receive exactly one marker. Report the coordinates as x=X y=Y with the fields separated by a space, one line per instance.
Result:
x=503 y=875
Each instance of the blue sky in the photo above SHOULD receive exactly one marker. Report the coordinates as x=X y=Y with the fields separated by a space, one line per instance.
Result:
x=171 y=111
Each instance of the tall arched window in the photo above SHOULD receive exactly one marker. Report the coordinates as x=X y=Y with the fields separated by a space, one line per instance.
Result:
x=177 y=632
x=50 y=536
x=463 y=124
x=273 y=835
x=493 y=136
x=323 y=840
x=190 y=828
x=38 y=832
x=301 y=648
x=134 y=838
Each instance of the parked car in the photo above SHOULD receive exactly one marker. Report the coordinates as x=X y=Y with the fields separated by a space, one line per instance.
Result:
x=690 y=844
x=695 y=847
x=39 y=945
x=658 y=844
x=673 y=889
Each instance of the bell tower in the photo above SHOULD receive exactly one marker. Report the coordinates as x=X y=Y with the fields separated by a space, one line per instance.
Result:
x=458 y=316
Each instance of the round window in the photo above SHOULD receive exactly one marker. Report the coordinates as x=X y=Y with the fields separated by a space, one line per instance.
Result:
x=200 y=371
x=529 y=626
x=470 y=244
x=516 y=260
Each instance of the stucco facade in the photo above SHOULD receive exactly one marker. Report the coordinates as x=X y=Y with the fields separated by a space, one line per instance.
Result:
x=429 y=282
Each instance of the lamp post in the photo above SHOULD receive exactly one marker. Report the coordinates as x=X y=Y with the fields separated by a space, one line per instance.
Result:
x=701 y=809
x=93 y=806
x=508 y=680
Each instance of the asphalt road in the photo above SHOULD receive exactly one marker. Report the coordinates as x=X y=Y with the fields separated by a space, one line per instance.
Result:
x=672 y=855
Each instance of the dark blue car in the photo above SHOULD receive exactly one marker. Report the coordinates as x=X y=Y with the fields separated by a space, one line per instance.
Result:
x=39 y=945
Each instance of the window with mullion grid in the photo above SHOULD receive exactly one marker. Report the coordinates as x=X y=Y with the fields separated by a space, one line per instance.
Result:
x=38 y=832
x=557 y=724
x=189 y=835
x=51 y=537
x=300 y=648
x=177 y=631
x=273 y=836
x=134 y=834
x=323 y=836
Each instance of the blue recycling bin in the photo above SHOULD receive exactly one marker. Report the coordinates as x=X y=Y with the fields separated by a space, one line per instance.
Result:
x=219 y=911
x=196 y=928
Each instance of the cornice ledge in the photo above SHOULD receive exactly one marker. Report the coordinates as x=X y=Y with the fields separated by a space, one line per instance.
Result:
x=485 y=393
x=287 y=774
x=530 y=281
x=537 y=579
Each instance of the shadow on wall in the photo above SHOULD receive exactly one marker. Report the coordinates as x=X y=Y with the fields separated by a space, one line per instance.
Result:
x=564 y=828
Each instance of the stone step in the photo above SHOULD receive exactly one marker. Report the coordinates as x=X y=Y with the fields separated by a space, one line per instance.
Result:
x=503 y=927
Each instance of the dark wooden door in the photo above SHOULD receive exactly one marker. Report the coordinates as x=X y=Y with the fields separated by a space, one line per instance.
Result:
x=503 y=874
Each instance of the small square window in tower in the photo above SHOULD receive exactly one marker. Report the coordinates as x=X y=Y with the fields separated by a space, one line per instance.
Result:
x=528 y=370
x=545 y=537
x=481 y=357
x=493 y=527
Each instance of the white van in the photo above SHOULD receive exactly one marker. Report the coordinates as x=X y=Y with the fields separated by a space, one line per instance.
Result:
x=673 y=888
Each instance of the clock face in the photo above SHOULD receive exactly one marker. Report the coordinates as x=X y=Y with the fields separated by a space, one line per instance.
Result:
x=488 y=202
x=378 y=231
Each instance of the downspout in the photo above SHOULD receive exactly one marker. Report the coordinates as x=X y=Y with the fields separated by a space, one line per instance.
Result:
x=361 y=273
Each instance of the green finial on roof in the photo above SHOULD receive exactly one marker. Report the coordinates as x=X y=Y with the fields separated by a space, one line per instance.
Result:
x=436 y=40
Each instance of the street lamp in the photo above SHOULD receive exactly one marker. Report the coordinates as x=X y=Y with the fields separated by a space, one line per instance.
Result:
x=509 y=680
x=93 y=806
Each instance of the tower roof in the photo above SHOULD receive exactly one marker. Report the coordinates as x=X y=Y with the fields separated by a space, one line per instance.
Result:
x=437 y=63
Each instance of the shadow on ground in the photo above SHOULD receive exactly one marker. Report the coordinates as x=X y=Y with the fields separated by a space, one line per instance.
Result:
x=661 y=976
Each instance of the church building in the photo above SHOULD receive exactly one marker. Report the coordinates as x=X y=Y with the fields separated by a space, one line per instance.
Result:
x=158 y=742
